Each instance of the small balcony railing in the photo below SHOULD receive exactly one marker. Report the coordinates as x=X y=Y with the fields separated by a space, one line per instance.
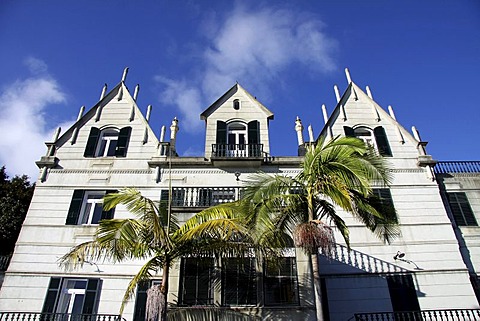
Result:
x=445 y=167
x=237 y=150
x=427 y=315
x=33 y=316
x=204 y=196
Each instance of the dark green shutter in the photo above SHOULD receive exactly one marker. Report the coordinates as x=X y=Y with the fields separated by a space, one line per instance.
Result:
x=254 y=132
x=221 y=132
x=402 y=293
x=108 y=215
x=75 y=207
x=91 y=293
x=122 y=143
x=140 y=301
x=382 y=141
x=349 y=132
x=461 y=210
x=52 y=294
x=92 y=142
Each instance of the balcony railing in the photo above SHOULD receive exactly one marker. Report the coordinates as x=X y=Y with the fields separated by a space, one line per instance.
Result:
x=237 y=150
x=427 y=315
x=204 y=196
x=33 y=316
x=444 y=167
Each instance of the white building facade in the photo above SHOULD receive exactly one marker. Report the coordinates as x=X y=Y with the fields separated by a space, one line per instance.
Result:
x=112 y=146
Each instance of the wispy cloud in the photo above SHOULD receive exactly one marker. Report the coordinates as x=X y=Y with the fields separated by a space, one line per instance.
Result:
x=254 y=47
x=23 y=127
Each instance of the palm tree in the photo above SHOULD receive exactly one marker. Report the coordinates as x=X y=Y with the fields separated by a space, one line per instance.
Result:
x=155 y=236
x=334 y=174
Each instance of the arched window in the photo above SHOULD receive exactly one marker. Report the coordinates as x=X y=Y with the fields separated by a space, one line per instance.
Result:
x=376 y=137
x=236 y=104
x=107 y=142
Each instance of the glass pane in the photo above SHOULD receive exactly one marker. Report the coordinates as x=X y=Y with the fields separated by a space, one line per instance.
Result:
x=111 y=148
x=77 y=304
x=97 y=213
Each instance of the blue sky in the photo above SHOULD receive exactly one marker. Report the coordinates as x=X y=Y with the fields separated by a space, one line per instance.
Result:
x=421 y=57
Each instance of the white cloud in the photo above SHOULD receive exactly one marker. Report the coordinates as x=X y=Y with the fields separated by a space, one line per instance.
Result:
x=23 y=127
x=35 y=65
x=251 y=46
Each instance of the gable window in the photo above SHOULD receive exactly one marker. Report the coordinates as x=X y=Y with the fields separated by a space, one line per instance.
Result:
x=141 y=299
x=196 y=281
x=236 y=104
x=376 y=138
x=72 y=295
x=107 y=142
x=86 y=207
x=238 y=139
x=239 y=281
x=280 y=282
x=461 y=210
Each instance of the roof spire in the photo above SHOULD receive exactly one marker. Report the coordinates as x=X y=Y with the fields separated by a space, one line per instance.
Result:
x=104 y=90
x=337 y=93
x=135 y=93
x=347 y=73
x=124 y=76
x=298 y=129
x=369 y=93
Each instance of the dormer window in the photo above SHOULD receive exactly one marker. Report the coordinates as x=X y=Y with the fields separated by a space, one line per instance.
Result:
x=108 y=142
x=236 y=104
x=376 y=138
x=238 y=139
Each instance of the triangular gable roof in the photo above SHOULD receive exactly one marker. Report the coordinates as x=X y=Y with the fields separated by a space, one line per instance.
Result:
x=354 y=89
x=207 y=112
x=102 y=102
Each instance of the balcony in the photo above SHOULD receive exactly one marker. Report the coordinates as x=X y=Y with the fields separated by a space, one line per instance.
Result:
x=454 y=167
x=33 y=316
x=201 y=197
x=427 y=315
x=237 y=154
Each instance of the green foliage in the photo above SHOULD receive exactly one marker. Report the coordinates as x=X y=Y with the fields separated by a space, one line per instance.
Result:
x=15 y=197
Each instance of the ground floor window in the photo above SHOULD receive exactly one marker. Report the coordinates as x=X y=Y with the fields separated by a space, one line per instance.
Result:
x=72 y=295
x=141 y=299
x=196 y=281
x=239 y=281
x=403 y=293
x=280 y=282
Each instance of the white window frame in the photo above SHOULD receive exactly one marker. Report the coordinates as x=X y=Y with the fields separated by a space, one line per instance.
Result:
x=108 y=136
x=368 y=139
x=68 y=295
x=91 y=201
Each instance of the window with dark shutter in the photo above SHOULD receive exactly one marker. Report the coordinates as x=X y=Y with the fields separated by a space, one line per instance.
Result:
x=382 y=141
x=90 y=301
x=141 y=299
x=239 y=282
x=349 y=132
x=461 y=210
x=402 y=293
x=75 y=207
x=52 y=295
x=280 y=282
x=92 y=141
x=221 y=132
x=123 y=140
x=86 y=207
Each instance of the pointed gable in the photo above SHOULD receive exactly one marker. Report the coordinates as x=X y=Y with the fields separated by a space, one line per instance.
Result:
x=238 y=118
x=114 y=128
x=357 y=114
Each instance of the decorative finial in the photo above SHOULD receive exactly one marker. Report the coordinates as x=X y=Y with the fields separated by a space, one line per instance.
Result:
x=337 y=93
x=369 y=93
x=347 y=73
x=124 y=76
x=135 y=93
x=104 y=90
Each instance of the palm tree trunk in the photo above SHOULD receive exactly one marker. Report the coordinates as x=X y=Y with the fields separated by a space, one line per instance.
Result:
x=317 y=286
x=164 y=291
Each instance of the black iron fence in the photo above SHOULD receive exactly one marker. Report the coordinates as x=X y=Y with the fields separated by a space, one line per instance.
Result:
x=427 y=315
x=237 y=150
x=33 y=316
x=445 y=167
